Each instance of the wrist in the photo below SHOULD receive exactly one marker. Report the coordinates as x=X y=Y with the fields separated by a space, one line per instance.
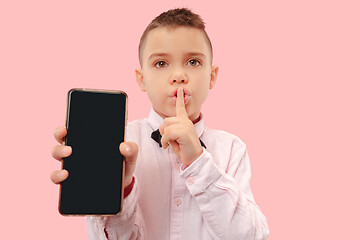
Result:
x=128 y=181
x=188 y=162
x=128 y=188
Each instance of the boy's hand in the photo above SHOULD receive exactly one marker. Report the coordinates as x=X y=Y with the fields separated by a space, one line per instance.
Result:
x=59 y=152
x=179 y=132
x=128 y=149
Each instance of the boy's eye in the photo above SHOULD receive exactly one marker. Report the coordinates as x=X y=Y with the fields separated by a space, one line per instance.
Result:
x=194 y=62
x=161 y=64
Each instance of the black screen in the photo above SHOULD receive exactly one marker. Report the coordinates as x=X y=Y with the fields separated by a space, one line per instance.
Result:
x=95 y=129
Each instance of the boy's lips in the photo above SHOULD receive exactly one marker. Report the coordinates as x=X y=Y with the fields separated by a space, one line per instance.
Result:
x=187 y=95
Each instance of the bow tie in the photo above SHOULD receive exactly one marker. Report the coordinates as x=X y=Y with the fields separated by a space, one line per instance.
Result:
x=157 y=138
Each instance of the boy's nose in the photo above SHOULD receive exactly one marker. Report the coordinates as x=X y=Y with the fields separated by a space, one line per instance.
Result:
x=179 y=77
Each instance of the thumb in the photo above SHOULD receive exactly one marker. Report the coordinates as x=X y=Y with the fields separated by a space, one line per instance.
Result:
x=130 y=152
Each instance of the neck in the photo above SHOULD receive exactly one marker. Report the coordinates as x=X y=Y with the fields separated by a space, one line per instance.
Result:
x=196 y=119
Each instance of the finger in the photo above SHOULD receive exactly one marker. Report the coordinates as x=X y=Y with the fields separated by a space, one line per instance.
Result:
x=161 y=129
x=60 y=133
x=60 y=151
x=172 y=133
x=58 y=176
x=163 y=143
x=166 y=141
x=180 y=104
x=170 y=121
x=130 y=151
x=174 y=145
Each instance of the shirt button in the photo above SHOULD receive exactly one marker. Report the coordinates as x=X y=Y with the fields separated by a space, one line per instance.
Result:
x=190 y=180
x=177 y=165
x=178 y=202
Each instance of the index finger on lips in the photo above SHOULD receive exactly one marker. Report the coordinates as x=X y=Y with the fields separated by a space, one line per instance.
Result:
x=180 y=104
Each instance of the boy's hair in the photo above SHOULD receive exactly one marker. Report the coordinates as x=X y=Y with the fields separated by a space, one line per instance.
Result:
x=175 y=18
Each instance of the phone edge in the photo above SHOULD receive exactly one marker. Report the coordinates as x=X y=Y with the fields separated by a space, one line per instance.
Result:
x=64 y=141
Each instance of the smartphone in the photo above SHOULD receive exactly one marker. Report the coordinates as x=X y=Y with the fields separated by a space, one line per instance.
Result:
x=95 y=122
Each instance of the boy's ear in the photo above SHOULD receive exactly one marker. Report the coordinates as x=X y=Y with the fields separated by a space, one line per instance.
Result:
x=140 y=79
x=214 y=74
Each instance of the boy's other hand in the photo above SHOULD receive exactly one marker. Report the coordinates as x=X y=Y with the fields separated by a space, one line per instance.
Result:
x=128 y=149
x=179 y=132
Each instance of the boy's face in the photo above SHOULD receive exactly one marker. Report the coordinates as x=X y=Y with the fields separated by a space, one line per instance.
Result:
x=173 y=58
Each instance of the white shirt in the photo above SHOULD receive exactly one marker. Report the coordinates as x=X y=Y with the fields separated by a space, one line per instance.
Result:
x=210 y=199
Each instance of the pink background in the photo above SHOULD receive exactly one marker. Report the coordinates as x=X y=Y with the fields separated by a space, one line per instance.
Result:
x=288 y=86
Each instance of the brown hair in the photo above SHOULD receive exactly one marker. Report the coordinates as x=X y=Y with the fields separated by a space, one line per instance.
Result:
x=175 y=18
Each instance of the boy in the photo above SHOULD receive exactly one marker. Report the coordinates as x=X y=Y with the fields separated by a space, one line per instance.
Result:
x=183 y=180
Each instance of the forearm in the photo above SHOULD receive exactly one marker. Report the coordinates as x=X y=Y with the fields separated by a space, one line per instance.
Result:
x=229 y=212
x=126 y=225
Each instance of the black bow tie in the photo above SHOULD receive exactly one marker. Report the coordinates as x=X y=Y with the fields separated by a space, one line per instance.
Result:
x=157 y=138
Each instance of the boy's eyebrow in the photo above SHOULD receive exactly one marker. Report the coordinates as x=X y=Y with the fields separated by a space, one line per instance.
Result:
x=158 y=55
x=166 y=55
x=195 y=54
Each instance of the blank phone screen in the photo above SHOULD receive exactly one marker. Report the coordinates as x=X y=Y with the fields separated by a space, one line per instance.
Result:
x=95 y=128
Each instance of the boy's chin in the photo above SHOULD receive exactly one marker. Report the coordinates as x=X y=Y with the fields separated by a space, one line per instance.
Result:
x=165 y=113
x=171 y=112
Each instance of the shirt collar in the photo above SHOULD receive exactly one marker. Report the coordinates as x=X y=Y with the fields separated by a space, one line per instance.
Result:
x=155 y=120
